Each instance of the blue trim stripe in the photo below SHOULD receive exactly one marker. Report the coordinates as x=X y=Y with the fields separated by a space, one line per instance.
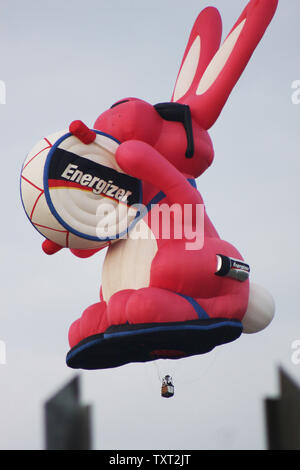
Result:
x=192 y=182
x=199 y=310
x=83 y=347
x=157 y=329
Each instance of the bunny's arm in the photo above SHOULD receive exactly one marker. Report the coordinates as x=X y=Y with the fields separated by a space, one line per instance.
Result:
x=208 y=74
x=142 y=161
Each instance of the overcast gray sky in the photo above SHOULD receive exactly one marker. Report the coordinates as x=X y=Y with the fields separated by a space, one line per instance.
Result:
x=70 y=60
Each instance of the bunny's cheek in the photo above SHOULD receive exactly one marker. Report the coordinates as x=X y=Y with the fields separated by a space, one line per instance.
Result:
x=134 y=119
x=113 y=125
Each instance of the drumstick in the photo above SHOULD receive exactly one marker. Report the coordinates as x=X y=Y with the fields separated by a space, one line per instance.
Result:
x=82 y=132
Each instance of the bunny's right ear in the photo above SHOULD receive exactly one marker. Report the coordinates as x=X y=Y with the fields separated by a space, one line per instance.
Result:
x=209 y=73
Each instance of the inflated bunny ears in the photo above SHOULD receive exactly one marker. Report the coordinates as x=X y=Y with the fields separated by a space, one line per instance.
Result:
x=208 y=72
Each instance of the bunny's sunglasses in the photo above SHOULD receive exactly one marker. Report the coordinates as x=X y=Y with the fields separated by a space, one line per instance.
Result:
x=175 y=112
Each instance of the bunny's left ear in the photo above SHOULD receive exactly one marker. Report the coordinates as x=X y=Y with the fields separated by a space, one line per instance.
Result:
x=205 y=85
x=204 y=42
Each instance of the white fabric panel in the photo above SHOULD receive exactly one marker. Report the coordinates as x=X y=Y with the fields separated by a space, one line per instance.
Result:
x=29 y=196
x=188 y=70
x=219 y=61
x=43 y=216
x=260 y=311
x=127 y=263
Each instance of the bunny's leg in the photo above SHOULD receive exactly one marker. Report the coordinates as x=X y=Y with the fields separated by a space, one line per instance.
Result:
x=155 y=305
x=148 y=305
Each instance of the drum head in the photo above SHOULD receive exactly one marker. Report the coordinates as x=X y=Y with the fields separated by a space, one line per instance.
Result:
x=76 y=194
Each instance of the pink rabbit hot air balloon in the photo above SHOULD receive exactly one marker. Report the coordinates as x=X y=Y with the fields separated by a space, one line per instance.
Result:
x=172 y=297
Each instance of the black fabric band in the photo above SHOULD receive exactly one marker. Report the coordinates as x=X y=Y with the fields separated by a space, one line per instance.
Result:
x=179 y=113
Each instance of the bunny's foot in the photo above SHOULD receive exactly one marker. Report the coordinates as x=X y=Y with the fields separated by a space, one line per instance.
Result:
x=147 y=324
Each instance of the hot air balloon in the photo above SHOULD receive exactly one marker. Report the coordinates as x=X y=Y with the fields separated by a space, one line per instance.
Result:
x=171 y=287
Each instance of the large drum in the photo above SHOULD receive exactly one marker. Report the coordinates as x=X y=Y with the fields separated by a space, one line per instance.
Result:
x=75 y=194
